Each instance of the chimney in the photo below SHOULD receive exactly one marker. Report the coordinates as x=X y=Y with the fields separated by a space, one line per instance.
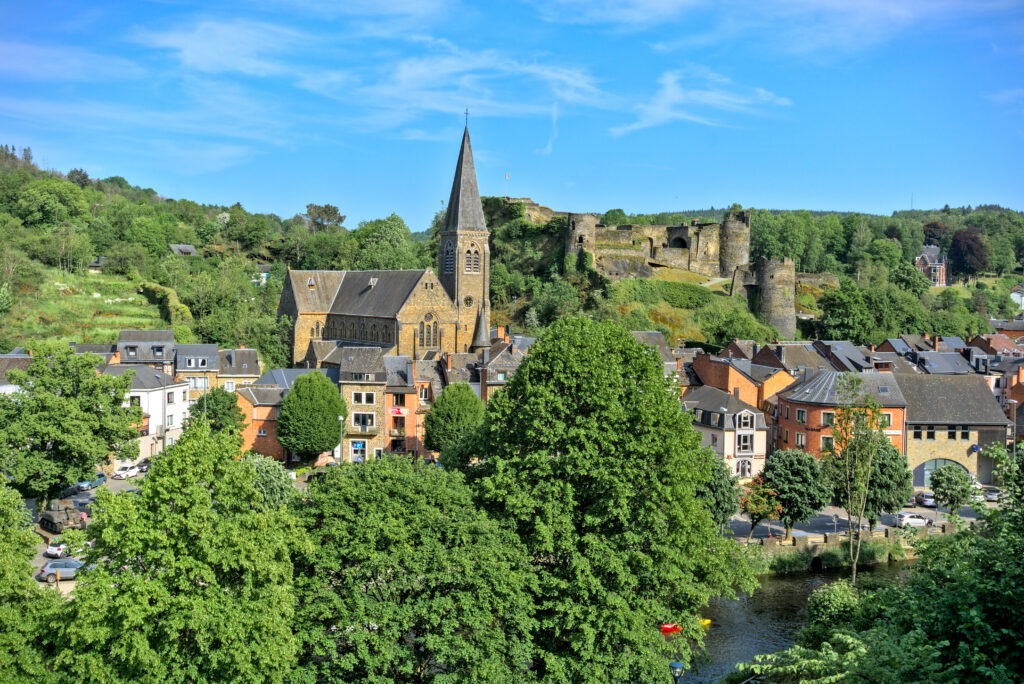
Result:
x=241 y=346
x=448 y=361
x=872 y=348
x=679 y=364
x=1020 y=373
x=487 y=356
x=935 y=343
x=410 y=372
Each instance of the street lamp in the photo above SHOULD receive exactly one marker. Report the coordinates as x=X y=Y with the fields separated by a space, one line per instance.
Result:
x=1013 y=419
x=676 y=668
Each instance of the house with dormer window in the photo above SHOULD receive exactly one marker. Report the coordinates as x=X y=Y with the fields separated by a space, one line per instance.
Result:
x=734 y=429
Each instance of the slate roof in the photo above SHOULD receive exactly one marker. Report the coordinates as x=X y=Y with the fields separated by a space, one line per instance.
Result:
x=899 y=345
x=899 y=363
x=285 y=377
x=748 y=348
x=398 y=379
x=711 y=400
x=464 y=368
x=998 y=343
x=798 y=355
x=922 y=343
x=184 y=352
x=384 y=299
x=950 y=400
x=145 y=378
x=320 y=298
x=238 y=362
x=1002 y=324
x=9 y=362
x=429 y=370
x=847 y=356
x=465 y=212
x=358 y=360
x=144 y=341
x=822 y=389
x=954 y=343
x=263 y=396
x=755 y=371
x=184 y=250
x=104 y=350
x=653 y=338
x=943 y=363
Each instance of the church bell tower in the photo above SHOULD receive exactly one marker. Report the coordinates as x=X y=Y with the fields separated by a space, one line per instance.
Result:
x=464 y=256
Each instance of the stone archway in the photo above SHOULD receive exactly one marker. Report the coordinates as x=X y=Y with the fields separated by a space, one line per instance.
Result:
x=923 y=472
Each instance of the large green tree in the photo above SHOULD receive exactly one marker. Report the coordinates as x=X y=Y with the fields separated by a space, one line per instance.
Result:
x=193 y=577
x=308 y=421
x=219 y=408
x=455 y=413
x=406 y=580
x=24 y=608
x=799 y=486
x=588 y=455
x=952 y=487
x=845 y=315
x=759 y=502
x=720 y=493
x=892 y=483
x=64 y=420
x=272 y=481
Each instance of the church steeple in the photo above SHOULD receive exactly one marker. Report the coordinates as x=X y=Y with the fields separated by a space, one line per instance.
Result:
x=465 y=212
x=464 y=255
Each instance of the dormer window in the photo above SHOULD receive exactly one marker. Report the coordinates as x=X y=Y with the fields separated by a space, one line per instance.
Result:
x=131 y=352
x=158 y=352
x=746 y=421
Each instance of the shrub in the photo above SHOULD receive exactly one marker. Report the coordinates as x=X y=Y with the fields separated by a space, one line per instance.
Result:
x=685 y=295
x=790 y=561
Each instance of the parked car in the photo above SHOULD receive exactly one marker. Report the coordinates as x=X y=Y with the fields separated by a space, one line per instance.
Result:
x=144 y=465
x=926 y=499
x=991 y=494
x=67 y=567
x=126 y=471
x=912 y=520
x=55 y=548
x=976 y=484
x=86 y=485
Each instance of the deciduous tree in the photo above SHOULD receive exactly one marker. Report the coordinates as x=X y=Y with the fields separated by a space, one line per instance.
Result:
x=219 y=408
x=892 y=483
x=759 y=502
x=308 y=421
x=455 y=413
x=720 y=493
x=952 y=487
x=800 y=489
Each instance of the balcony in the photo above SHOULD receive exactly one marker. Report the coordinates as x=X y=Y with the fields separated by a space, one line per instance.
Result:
x=361 y=430
x=396 y=432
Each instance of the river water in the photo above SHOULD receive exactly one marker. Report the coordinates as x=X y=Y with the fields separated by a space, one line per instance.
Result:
x=767 y=620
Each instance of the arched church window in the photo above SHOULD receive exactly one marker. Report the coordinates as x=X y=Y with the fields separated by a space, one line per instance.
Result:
x=476 y=261
x=449 y=258
x=352 y=331
x=437 y=342
x=430 y=339
x=421 y=333
x=373 y=332
x=318 y=328
x=362 y=331
x=469 y=261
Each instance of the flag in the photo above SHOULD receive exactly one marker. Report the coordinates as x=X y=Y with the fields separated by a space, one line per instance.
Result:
x=506 y=176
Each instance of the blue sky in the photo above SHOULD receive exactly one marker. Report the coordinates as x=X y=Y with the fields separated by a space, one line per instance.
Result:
x=647 y=105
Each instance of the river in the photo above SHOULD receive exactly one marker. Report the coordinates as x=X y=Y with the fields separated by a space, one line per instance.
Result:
x=767 y=620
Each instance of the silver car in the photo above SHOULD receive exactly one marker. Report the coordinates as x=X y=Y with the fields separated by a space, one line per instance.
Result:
x=991 y=494
x=65 y=567
x=912 y=520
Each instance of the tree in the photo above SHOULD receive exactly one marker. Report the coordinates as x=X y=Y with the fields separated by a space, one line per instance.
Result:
x=24 y=607
x=433 y=589
x=719 y=493
x=385 y=244
x=272 y=481
x=952 y=487
x=892 y=483
x=845 y=315
x=308 y=421
x=800 y=489
x=857 y=436
x=969 y=253
x=587 y=455
x=759 y=502
x=49 y=202
x=455 y=413
x=192 y=577
x=124 y=258
x=322 y=215
x=219 y=408
x=6 y=298
x=65 y=419
x=79 y=178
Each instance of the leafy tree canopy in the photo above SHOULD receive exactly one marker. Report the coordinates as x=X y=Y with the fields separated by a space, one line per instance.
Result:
x=219 y=408
x=308 y=421
x=799 y=486
x=720 y=493
x=892 y=483
x=952 y=487
x=455 y=413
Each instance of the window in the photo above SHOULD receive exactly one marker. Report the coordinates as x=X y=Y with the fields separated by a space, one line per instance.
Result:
x=787 y=411
x=421 y=333
x=134 y=400
x=501 y=376
x=377 y=453
x=364 y=398
x=801 y=439
x=469 y=261
x=476 y=261
x=229 y=385
x=195 y=363
x=745 y=443
x=184 y=395
x=951 y=432
x=828 y=418
x=965 y=432
x=398 y=422
x=398 y=399
x=170 y=441
x=714 y=440
x=132 y=352
x=170 y=397
x=191 y=403
x=158 y=352
x=743 y=468
x=170 y=419
x=746 y=421
x=885 y=420
x=917 y=432
x=801 y=416
x=363 y=421
x=785 y=437
x=449 y=258
x=827 y=443
x=202 y=383
x=358 y=451
x=931 y=432
x=261 y=433
x=424 y=393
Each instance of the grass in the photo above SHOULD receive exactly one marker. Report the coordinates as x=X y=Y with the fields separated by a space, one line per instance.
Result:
x=87 y=308
x=678 y=275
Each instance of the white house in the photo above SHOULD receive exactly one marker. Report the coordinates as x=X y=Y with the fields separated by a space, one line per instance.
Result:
x=735 y=430
x=164 y=404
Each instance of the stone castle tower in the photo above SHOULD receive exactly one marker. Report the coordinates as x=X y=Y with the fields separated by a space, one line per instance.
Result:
x=464 y=257
x=769 y=285
x=735 y=242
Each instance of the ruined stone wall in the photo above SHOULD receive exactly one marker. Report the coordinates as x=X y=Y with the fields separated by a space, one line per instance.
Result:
x=705 y=247
x=735 y=242
x=581 y=233
x=822 y=281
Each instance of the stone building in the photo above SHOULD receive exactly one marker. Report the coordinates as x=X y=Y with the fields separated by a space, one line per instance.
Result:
x=769 y=286
x=409 y=312
x=735 y=430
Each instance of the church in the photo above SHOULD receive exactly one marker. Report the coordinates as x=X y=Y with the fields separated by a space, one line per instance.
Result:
x=408 y=313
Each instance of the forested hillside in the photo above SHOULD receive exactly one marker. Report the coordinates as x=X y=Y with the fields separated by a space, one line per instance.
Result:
x=52 y=226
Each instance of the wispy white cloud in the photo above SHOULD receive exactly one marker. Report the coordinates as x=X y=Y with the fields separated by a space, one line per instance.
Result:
x=547 y=149
x=677 y=100
x=244 y=47
x=63 y=63
x=1008 y=96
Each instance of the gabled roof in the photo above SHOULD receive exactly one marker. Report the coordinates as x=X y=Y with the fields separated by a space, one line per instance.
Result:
x=464 y=368
x=238 y=362
x=744 y=348
x=950 y=400
x=145 y=378
x=823 y=389
x=713 y=400
x=374 y=293
x=1016 y=324
x=465 y=212
x=358 y=360
x=795 y=356
x=898 y=361
x=398 y=373
x=263 y=396
x=656 y=339
x=999 y=343
x=144 y=342
x=899 y=345
x=943 y=363
x=184 y=352
x=319 y=297
x=429 y=371
x=285 y=377
x=845 y=355
x=8 y=363
x=755 y=371
x=104 y=350
x=184 y=250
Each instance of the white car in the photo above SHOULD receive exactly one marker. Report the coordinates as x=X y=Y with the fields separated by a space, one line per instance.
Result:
x=126 y=471
x=55 y=548
x=912 y=520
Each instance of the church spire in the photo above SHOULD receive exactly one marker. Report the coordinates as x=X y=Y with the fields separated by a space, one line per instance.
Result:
x=482 y=336
x=464 y=209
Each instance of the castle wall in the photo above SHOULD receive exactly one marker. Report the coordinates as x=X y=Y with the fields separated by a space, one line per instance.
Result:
x=776 y=282
x=735 y=242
